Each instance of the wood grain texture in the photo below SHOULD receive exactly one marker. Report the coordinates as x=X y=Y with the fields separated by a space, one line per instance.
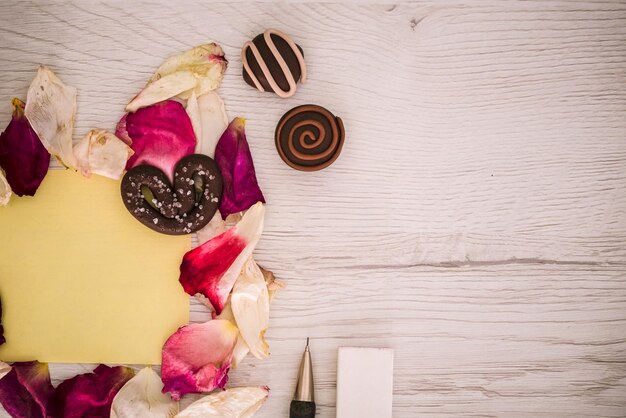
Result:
x=476 y=219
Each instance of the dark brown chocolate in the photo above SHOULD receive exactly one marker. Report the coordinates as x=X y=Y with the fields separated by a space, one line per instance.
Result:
x=183 y=208
x=309 y=137
x=263 y=71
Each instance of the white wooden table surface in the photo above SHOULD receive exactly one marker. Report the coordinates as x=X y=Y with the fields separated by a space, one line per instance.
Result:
x=476 y=219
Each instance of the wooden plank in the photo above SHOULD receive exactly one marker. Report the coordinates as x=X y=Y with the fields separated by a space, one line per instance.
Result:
x=513 y=340
x=476 y=219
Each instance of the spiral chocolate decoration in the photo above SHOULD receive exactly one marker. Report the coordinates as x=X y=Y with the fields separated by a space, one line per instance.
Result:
x=181 y=208
x=309 y=137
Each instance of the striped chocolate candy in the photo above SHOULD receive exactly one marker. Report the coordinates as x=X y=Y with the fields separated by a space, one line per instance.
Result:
x=273 y=62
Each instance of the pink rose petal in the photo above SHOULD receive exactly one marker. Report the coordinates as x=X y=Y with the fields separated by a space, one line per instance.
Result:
x=22 y=155
x=232 y=155
x=197 y=357
x=160 y=135
x=25 y=391
x=90 y=394
x=212 y=268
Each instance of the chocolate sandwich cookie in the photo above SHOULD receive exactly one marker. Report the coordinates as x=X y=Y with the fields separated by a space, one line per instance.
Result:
x=309 y=137
x=181 y=208
x=272 y=61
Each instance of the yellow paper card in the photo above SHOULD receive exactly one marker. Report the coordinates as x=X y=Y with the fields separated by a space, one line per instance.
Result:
x=82 y=281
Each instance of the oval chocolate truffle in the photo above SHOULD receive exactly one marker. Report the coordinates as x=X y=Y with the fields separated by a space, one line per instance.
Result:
x=273 y=62
x=309 y=137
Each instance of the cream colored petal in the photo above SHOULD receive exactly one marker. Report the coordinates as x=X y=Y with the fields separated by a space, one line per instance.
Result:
x=101 y=152
x=4 y=369
x=197 y=59
x=163 y=89
x=251 y=307
x=208 y=82
x=231 y=403
x=241 y=348
x=51 y=109
x=214 y=228
x=273 y=284
x=5 y=189
x=193 y=111
x=141 y=397
x=209 y=120
x=81 y=154
x=198 y=70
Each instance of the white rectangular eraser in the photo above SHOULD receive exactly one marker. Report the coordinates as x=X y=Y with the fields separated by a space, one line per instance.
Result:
x=364 y=382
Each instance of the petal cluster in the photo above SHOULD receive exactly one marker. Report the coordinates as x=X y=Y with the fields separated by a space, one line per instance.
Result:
x=212 y=268
x=26 y=391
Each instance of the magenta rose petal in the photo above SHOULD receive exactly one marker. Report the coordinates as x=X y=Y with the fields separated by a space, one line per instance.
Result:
x=197 y=357
x=160 y=135
x=2 y=339
x=22 y=155
x=90 y=394
x=26 y=390
x=232 y=155
x=212 y=268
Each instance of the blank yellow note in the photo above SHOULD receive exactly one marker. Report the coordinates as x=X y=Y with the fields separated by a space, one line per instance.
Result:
x=81 y=281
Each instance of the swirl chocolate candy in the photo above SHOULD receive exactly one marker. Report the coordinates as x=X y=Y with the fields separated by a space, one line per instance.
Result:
x=181 y=208
x=309 y=137
x=272 y=61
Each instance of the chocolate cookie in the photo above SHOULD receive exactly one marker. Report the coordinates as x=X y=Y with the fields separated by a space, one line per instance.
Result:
x=309 y=137
x=183 y=208
x=273 y=62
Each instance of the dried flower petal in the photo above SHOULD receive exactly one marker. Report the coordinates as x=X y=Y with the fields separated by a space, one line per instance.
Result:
x=22 y=155
x=50 y=109
x=232 y=403
x=26 y=390
x=160 y=136
x=232 y=155
x=5 y=189
x=250 y=304
x=100 y=152
x=141 y=396
x=215 y=227
x=209 y=120
x=4 y=369
x=90 y=394
x=241 y=349
x=198 y=70
x=212 y=268
x=2 y=339
x=273 y=284
x=197 y=357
